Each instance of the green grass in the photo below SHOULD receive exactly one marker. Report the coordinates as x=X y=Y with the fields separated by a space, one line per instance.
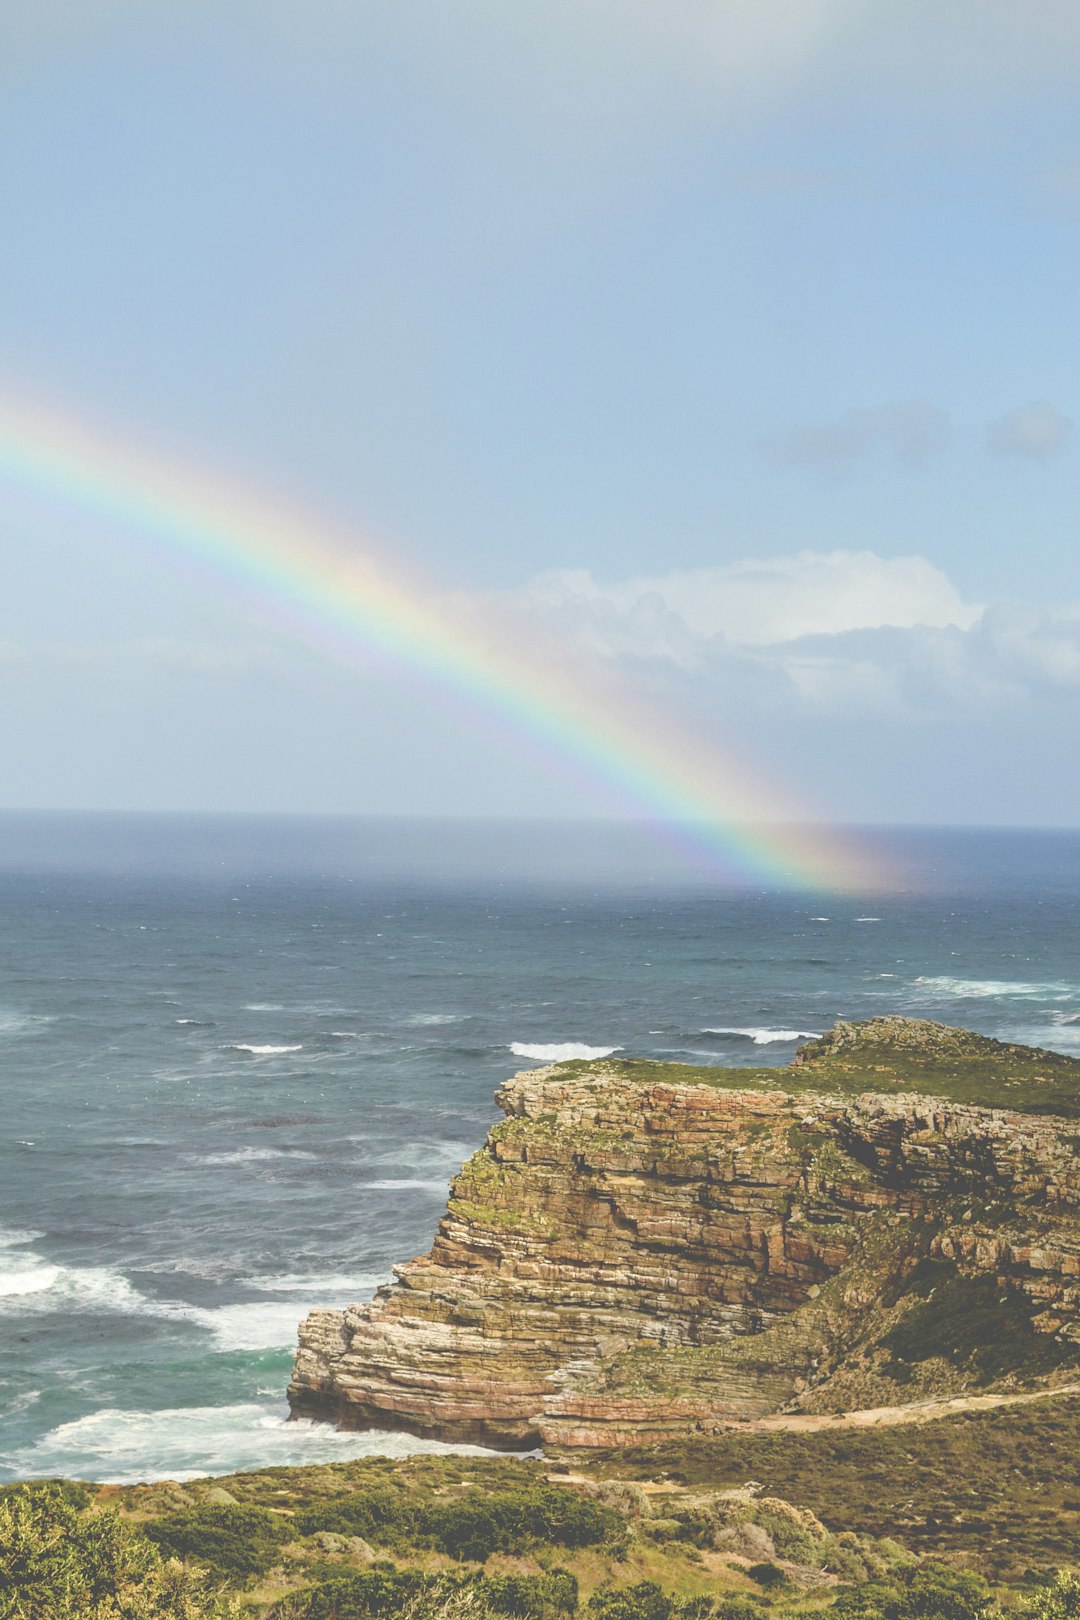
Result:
x=901 y=1055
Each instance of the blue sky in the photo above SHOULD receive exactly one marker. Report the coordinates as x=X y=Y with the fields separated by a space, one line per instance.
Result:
x=734 y=342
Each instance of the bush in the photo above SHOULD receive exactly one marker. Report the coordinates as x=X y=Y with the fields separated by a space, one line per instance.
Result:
x=1060 y=1601
x=768 y=1576
x=642 y=1602
x=234 y=1541
x=395 y=1592
x=469 y=1526
x=62 y=1562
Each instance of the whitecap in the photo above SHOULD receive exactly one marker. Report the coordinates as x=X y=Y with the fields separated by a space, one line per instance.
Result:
x=27 y=1279
x=261 y=1051
x=122 y=1447
x=263 y=1006
x=564 y=1052
x=249 y=1155
x=21 y=1023
x=346 y=1285
x=766 y=1037
x=255 y=1325
x=393 y=1184
x=32 y=1283
x=991 y=989
x=868 y=919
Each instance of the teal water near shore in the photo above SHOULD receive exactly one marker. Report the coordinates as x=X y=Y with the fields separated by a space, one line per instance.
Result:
x=240 y=1060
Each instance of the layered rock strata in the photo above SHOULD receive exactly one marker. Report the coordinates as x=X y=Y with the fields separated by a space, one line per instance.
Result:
x=629 y=1258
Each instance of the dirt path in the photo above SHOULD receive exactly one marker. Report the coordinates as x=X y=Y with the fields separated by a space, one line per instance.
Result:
x=917 y=1412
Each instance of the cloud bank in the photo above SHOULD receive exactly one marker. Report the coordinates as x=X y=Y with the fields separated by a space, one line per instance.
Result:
x=818 y=633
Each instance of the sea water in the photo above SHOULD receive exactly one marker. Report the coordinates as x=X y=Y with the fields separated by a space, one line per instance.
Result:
x=240 y=1061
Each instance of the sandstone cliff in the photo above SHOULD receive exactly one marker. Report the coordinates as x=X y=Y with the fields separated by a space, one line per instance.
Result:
x=642 y=1250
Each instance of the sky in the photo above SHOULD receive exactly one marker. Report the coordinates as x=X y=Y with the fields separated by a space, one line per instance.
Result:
x=728 y=348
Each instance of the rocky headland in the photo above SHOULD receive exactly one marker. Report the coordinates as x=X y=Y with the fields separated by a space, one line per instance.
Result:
x=645 y=1251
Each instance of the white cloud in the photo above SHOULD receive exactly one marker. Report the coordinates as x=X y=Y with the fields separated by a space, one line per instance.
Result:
x=846 y=635
x=1038 y=431
x=754 y=603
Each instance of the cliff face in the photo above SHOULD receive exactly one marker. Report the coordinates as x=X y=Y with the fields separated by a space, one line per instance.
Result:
x=640 y=1251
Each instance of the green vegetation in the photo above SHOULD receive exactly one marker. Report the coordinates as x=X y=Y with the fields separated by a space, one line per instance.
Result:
x=887 y=1054
x=973 y=1323
x=479 y=1539
x=63 y=1561
x=998 y=1489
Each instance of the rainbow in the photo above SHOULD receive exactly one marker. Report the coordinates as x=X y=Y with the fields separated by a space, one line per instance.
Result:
x=305 y=571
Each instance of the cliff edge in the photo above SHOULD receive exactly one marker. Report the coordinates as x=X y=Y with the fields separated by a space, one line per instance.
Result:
x=642 y=1250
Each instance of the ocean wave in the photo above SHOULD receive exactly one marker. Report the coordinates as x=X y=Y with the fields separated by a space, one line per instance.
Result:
x=261 y=1051
x=30 y=1283
x=122 y=1447
x=345 y=1285
x=992 y=989
x=248 y=1155
x=397 y=1185
x=263 y=1006
x=561 y=1052
x=27 y=1279
x=766 y=1037
x=868 y=919
x=252 y=1325
x=22 y=1023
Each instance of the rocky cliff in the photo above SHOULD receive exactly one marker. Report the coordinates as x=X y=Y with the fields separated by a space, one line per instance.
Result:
x=644 y=1250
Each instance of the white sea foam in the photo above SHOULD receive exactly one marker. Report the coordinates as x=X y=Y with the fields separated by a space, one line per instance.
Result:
x=437 y=1018
x=249 y=1155
x=255 y=1325
x=991 y=989
x=30 y=1282
x=263 y=1006
x=122 y=1447
x=868 y=919
x=13 y=1022
x=564 y=1052
x=261 y=1051
x=766 y=1037
x=346 y=1285
x=396 y=1185
x=28 y=1278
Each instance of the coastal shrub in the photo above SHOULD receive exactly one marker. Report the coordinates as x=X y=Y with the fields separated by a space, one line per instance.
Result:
x=468 y=1527
x=62 y=1562
x=767 y=1575
x=1059 y=1601
x=645 y=1601
x=398 y=1592
x=234 y=1541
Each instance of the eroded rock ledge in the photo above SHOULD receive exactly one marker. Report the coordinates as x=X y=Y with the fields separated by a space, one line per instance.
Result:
x=640 y=1250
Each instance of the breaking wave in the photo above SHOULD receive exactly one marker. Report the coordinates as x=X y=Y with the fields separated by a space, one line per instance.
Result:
x=992 y=989
x=122 y=1447
x=261 y=1051
x=766 y=1037
x=561 y=1052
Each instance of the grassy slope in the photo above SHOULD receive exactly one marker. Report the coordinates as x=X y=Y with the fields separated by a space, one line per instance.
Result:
x=889 y=1055
x=1001 y=1489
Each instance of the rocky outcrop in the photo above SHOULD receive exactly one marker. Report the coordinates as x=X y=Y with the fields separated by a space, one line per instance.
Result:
x=631 y=1255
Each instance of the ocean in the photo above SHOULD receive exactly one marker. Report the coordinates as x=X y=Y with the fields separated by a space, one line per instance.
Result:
x=241 y=1058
